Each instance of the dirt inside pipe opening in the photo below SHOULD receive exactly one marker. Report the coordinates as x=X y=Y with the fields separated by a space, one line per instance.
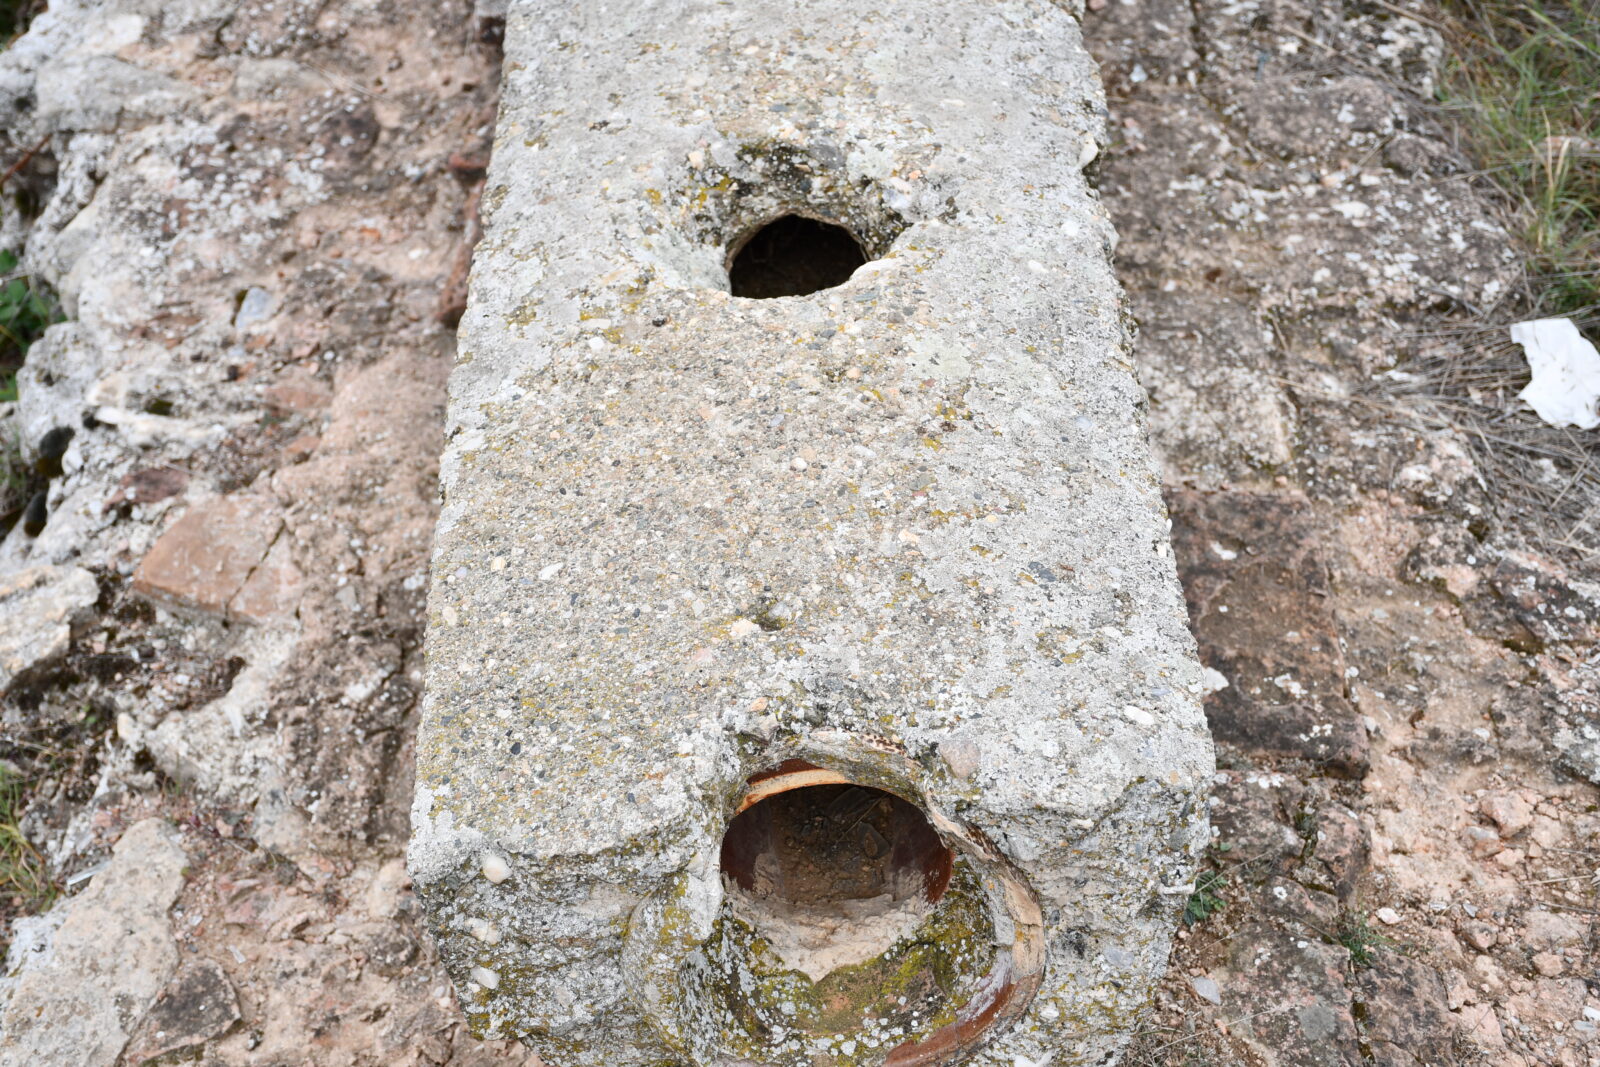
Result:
x=850 y=932
x=834 y=875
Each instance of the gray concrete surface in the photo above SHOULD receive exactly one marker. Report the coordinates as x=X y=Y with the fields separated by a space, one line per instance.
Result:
x=907 y=529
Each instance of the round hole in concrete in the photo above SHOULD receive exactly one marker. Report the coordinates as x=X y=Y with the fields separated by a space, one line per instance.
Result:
x=792 y=255
x=849 y=928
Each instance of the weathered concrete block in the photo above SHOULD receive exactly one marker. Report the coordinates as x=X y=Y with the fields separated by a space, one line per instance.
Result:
x=808 y=678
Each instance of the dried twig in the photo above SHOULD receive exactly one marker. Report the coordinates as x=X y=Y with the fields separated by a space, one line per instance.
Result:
x=23 y=162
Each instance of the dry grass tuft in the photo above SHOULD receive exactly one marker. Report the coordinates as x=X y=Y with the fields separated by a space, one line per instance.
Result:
x=1523 y=89
x=1524 y=86
x=1542 y=481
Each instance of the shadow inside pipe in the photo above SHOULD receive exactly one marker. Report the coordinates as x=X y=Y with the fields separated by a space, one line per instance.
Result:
x=793 y=256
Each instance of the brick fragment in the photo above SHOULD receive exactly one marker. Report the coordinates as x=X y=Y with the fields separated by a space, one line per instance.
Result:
x=202 y=560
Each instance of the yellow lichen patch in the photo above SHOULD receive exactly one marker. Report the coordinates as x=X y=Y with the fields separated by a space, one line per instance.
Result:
x=525 y=313
x=766 y=1011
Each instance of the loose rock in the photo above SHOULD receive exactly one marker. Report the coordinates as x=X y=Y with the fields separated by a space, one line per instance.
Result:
x=38 y=608
x=78 y=1001
x=196 y=1006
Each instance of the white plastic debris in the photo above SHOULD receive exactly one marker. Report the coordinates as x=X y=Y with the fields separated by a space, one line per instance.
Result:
x=1565 y=390
x=87 y=873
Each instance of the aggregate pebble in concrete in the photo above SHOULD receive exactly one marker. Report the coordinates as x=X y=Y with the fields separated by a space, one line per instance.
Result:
x=687 y=536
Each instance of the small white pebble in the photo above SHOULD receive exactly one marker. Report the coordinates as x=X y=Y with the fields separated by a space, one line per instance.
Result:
x=547 y=573
x=485 y=977
x=451 y=616
x=1388 y=916
x=1087 y=150
x=798 y=463
x=484 y=931
x=495 y=868
x=1138 y=715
